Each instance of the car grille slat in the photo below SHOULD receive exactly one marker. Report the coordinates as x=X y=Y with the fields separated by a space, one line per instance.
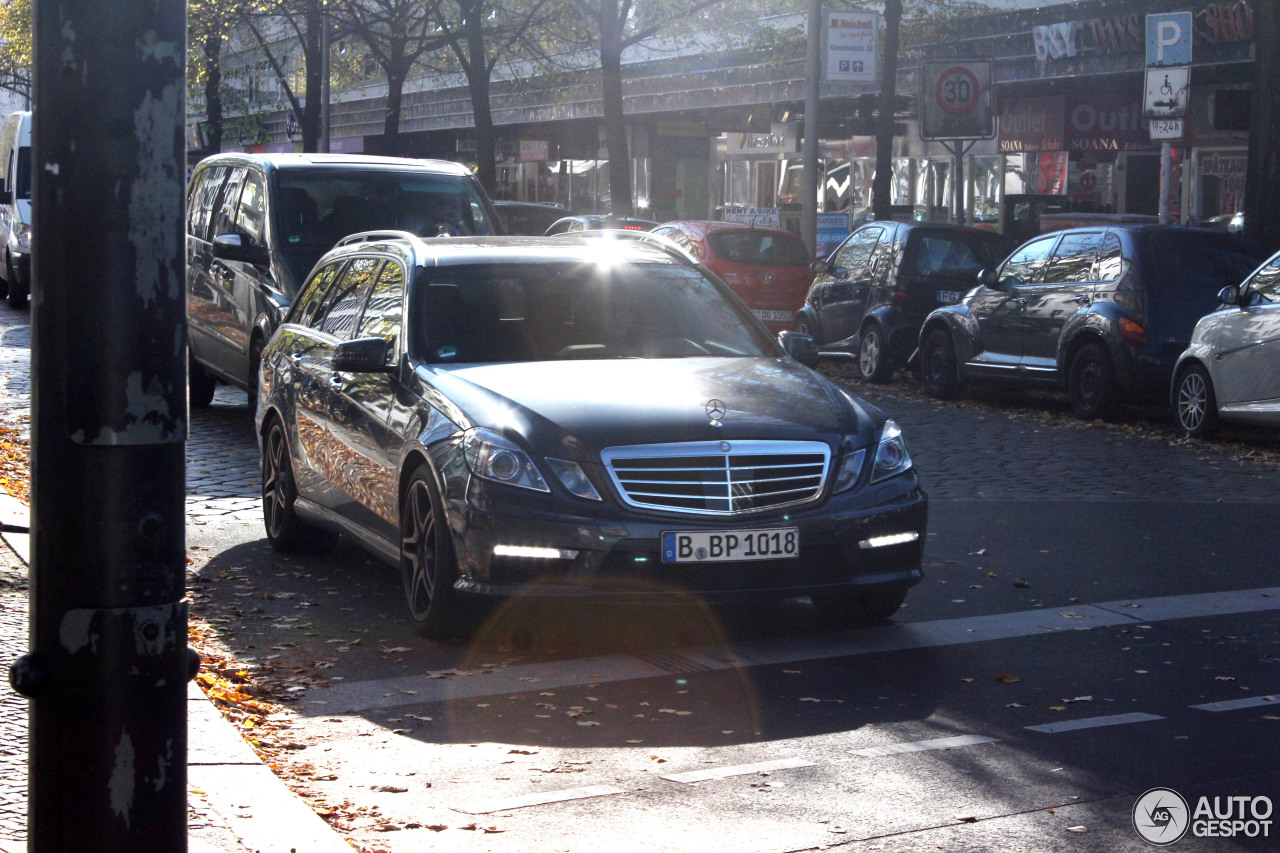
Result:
x=708 y=479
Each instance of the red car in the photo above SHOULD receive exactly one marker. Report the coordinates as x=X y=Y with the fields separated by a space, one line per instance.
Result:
x=768 y=268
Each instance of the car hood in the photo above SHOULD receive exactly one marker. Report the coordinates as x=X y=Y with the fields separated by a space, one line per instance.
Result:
x=574 y=409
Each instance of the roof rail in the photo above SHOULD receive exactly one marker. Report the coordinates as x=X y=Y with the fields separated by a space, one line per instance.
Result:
x=370 y=236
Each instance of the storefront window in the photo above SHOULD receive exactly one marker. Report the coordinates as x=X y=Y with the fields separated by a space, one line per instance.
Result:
x=985 y=189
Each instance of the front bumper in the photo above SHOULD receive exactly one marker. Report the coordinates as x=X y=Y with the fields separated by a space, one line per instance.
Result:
x=608 y=551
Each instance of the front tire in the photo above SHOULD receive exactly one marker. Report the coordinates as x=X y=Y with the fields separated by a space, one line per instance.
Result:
x=285 y=531
x=1091 y=383
x=938 y=366
x=858 y=606
x=1195 y=404
x=873 y=356
x=200 y=385
x=428 y=567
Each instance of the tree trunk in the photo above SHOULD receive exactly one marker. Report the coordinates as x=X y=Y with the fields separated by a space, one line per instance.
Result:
x=478 y=86
x=213 y=92
x=615 y=125
x=882 y=184
x=1262 y=196
x=314 y=86
x=391 y=122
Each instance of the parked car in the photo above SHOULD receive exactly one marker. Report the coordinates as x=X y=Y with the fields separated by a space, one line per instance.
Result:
x=527 y=217
x=1231 y=370
x=511 y=414
x=15 y=208
x=570 y=224
x=1103 y=312
x=257 y=223
x=874 y=290
x=768 y=268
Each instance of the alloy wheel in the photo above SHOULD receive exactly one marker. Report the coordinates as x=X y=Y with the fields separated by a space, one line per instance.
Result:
x=417 y=549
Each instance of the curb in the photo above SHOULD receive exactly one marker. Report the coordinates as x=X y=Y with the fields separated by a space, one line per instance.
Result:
x=254 y=810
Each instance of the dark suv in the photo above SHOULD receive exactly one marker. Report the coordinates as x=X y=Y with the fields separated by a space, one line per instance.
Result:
x=1104 y=312
x=872 y=293
x=257 y=223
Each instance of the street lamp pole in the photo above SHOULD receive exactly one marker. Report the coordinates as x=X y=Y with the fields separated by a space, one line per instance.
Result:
x=108 y=662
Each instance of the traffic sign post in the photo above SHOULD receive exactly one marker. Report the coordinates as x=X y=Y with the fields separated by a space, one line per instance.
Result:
x=1168 y=86
x=957 y=108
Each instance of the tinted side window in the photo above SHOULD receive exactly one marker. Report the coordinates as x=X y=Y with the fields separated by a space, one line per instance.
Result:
x=224 y=220
x=1110 y=259
x=251 y=211
x=313 y=294
x=855 y=252
x=382 y=315
x=204 y=192
x=1073 y=259
x=1023 y=267
x=1265 y=287
x=348 y=297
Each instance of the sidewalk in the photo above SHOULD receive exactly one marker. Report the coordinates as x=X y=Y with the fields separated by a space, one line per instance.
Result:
x=234 y=803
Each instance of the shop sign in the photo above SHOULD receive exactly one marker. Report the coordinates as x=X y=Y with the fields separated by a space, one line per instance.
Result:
x=534 y=150
x=850 y=47
x=1032 y=124
x=1212 y=23
x=1106 y=123
x=765 y=217
x=782 y=139
x=832 y=229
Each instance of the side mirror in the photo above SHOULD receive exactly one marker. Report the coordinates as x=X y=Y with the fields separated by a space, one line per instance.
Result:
x=803 y=348
x=363 y=355
x=820 y=266
x=989 y=277
x=1230 y=295
x=231 y=247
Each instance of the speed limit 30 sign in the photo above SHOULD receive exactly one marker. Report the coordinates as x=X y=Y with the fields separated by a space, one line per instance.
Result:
x=956 y=99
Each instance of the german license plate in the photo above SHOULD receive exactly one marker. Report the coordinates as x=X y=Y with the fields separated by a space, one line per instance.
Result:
x=949 y=297
x=718 y=546
x=776 y=316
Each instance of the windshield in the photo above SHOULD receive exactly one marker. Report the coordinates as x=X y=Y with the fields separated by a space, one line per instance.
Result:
x=319 y=206
x=760 y=248
x=557 y=311
x=1201 y=262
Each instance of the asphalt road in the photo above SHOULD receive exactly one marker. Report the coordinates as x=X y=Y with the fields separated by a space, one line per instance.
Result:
x=1100 y=617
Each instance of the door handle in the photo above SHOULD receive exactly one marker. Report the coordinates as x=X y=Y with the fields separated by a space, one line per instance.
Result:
x=1084 y=300
x=335 y=382
x=1021 y=302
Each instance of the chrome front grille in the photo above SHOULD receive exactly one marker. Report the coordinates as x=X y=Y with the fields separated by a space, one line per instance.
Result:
x=719 y=478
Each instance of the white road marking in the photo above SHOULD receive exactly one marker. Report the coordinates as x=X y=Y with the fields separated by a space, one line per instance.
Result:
x=1094 y=722
x=924 y=745
x=541 y=798
x=1237 y=704
x=416 y=689
x=740 y=770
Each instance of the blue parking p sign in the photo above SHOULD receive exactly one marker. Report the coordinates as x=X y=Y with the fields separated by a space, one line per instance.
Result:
x=1168 y=39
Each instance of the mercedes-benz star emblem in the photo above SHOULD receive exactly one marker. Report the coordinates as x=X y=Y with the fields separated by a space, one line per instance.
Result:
x=715 y=410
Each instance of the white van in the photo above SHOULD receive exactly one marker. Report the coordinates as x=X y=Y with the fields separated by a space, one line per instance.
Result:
x=15 y=207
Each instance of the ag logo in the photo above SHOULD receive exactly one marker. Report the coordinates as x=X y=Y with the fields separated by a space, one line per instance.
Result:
x=1161 y=816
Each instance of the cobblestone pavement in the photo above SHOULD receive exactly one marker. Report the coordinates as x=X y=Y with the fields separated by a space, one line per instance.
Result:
x=969 y=450
x=222 y=485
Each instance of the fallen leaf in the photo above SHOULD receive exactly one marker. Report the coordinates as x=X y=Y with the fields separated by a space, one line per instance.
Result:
x=1007 y=678
x=1057 y=707
x=809 y=699
x=966 y=818
x=1077 y=829
x=1079 y=699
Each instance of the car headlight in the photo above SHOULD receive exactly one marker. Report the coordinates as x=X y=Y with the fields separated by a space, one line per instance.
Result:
x=495 y=458
x=892 y=457
x=573 y=478
x=24 y=236
x=851 y=460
